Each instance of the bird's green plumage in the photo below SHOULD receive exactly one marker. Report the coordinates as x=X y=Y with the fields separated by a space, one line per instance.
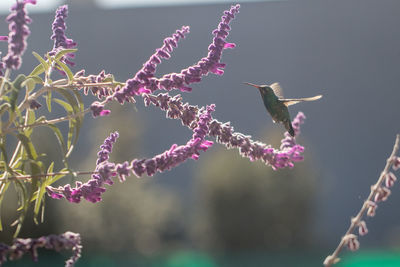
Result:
x=278 y=107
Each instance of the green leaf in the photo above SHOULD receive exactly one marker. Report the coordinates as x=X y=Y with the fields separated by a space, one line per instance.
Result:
x=5 y=157
x=55 y=178
x=42 y=61
x=28 y=145
x=77 y=105
x=17 y=83
x=35 y=79
x=60 y=138
x=31 y=120
x=40 y=195
x=79 y=118
x=24 y=204
x=50 y=170
x=79 y=98
x=48 y=100
x=70 y=144
x=29 y=83
x=66 y=69
x=68 y=108
x=3 y=189
x=39 y=69
x=72 y=124
x=70 y=98
x=63 y=52
x=4 y=107
x=16 y=87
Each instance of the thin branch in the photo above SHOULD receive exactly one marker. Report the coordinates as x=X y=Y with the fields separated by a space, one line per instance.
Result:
x=332 y=259
x=25 y=177
x=47 y=122
x=102 y=84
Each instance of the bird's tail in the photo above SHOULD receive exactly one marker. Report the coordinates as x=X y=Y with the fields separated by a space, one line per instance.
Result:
x=289 y=127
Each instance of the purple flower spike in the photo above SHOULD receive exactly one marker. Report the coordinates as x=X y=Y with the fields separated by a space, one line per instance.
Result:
x=144 y=81
x=92 y=189
x=97 y=109
x=211 y=63
x=105 y=170
x=19 y=32
x=21 y=246
x=122 y=171
x=106 y=148
x=178 y=154
x=288 y=153
x=60 y=39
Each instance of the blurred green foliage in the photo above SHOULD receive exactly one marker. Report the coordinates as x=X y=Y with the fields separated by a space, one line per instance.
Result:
x=247 y=206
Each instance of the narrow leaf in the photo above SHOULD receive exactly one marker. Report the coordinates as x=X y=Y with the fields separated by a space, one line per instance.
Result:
x=79 y=119
x=16 y=87
x=72 y=124
x=3 y=189
x=60 y=138
x=40 y=194
x=39 y=69
x=70 y=98
x=29 y=84
x=31 y=120
x=48 y=100
x=68 y=108
x=63 y=52
x=55 y=178
x=42 y=61
x=28 y=145
x=5 y=157
x=4 y=107
x=35 y=79
x=24 y=204
x=66 y=69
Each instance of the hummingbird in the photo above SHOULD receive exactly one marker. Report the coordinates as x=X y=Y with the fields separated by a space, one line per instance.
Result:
x=277 y=106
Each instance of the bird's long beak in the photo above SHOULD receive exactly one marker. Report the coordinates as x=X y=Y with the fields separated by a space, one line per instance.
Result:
x=252 y=84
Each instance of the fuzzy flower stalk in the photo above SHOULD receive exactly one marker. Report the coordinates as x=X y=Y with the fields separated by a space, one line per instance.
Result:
x=379 y=192
x=144 y=80
x=105 y=170
x=19 y=31
x=224 y=133
x=67 y=241
x=60 y=39
x=176 y=155
x=144 y=83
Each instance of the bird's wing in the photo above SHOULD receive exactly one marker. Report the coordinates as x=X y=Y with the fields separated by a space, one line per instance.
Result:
x=277 y=89
x=289 y=102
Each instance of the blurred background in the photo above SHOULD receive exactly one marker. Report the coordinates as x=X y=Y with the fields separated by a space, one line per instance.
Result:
x=223 y=210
